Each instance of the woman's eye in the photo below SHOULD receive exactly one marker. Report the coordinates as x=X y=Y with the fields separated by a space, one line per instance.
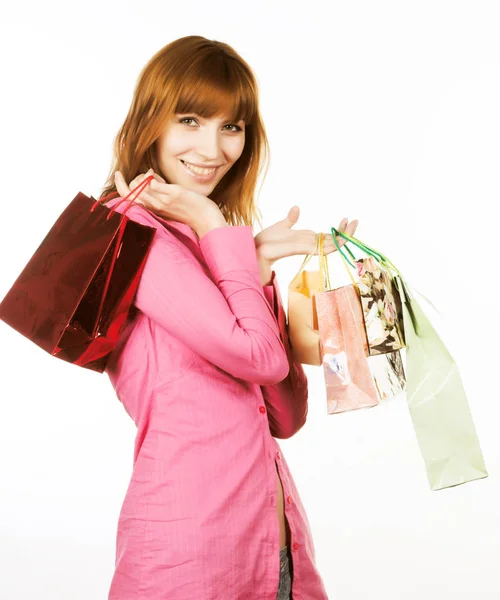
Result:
x=238 y=128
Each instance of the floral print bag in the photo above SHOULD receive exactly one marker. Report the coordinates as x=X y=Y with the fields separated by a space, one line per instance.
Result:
x=382 y=308
x=380 y=299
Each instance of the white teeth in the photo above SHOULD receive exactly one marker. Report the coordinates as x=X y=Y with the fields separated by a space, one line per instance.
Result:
x=198 y=170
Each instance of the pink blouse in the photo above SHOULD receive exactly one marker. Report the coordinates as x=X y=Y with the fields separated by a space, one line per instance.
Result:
x=204 y=369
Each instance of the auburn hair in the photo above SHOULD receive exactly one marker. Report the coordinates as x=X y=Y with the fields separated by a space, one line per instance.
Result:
x=209 y=78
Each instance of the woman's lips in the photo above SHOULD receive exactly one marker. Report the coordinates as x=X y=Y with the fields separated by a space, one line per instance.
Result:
x=199 y=176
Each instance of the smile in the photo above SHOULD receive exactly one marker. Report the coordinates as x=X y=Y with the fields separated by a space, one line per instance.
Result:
x=199 y=174
x=200 y=170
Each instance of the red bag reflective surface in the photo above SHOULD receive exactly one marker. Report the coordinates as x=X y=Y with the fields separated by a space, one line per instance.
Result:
x=73 y=297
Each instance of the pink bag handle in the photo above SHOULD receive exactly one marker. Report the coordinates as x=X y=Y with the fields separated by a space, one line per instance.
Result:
x=142 y=185
x=140 y=188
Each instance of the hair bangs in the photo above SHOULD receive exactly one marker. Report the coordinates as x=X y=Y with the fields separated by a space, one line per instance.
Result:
x=215 y=89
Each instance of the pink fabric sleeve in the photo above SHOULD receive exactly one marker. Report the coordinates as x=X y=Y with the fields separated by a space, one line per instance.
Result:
x=286 y=401
x=228 y=320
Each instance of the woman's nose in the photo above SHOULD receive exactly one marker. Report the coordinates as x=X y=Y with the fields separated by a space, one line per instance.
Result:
x=209 y=145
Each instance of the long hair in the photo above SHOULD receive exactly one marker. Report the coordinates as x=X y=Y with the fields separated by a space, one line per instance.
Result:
x=207 y=77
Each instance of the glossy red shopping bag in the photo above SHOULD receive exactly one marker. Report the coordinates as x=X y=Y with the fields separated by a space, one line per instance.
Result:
x=73 y=297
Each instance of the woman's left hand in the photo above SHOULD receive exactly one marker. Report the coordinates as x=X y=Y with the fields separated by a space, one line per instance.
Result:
x=280 y=240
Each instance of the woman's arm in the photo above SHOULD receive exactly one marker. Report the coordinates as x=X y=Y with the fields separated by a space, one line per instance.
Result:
x=287 y=400
x=224 y=318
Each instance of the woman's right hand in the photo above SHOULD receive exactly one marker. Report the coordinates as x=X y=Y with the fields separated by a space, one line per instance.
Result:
x=172 y=201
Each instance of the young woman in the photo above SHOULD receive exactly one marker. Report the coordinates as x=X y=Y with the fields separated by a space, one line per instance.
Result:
x=204 y=366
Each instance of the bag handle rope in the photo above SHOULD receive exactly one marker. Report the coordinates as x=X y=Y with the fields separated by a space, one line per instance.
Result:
x=140 y=188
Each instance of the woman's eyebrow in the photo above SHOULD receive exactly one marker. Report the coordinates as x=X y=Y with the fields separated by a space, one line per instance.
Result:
x=221 y=119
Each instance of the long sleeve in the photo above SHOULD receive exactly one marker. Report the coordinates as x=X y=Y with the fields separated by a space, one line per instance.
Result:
x=286 y=401
x=224 y=318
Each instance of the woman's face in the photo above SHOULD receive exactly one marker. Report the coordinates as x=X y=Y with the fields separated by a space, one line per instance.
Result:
x=210 y=147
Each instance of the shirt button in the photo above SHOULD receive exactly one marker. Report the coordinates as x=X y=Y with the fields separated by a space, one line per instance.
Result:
x=289 y=499
x=295 y=547
x=278 y=455
x=262 y=409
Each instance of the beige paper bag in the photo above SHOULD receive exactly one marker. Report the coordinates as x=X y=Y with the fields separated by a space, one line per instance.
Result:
x=303 y=332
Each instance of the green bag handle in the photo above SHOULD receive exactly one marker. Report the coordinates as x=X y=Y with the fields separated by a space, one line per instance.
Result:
x=378 y=256
x=382 y=260
x=336 y=233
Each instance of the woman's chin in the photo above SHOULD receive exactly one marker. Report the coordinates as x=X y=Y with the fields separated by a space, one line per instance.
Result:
x=204 y=188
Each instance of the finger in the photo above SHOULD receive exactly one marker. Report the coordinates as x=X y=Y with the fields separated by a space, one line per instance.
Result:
x=160 y=178
x=130 y=190
x=343 y=224
x=121 y=185
x=156 y=176
x=142 y=194
x=351 y=228
x=329 y=244
x=155 y=203
x=341 y=239
x=149 y=173
x=329 y=241
x=331 y=248
x=138 y=180
x=146 y=200
x=165 y=190
x=134 y=183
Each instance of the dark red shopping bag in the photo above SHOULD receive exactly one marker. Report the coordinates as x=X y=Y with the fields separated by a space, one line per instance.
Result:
x=73 y=297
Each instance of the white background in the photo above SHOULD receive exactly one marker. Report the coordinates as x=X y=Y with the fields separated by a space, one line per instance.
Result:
x=383 y=111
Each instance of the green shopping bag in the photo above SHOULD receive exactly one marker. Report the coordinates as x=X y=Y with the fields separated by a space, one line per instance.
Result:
x=436 y=398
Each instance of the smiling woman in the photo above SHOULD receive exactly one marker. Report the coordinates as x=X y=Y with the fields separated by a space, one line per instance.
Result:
x=204 y=365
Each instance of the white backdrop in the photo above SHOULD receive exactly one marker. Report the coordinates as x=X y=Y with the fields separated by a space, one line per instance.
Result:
x=384 y=111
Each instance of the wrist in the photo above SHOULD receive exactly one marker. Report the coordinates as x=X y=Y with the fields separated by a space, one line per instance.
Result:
x=265 y=270
x=212 y=222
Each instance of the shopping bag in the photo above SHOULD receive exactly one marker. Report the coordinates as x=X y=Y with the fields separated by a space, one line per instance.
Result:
x=437 y=403
x=388 y=374
x=382 y=311
x=74 y=295
x=436 y=398
x=349 y=382
x=302 y=317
